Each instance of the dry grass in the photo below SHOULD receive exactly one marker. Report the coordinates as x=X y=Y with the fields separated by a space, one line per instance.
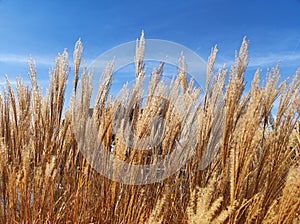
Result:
x=253 y=177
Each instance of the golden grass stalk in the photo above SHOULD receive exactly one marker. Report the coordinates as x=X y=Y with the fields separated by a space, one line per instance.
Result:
x=244 y=167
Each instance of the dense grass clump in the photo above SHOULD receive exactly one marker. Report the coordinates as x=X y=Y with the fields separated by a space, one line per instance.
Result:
x=253 y=176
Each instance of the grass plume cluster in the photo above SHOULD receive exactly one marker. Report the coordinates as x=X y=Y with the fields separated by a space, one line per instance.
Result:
x=252 y=176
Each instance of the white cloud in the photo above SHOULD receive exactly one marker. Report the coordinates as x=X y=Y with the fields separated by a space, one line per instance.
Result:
x=273 y=59
x=265 y=61
x=23 y=59
x=3 y=83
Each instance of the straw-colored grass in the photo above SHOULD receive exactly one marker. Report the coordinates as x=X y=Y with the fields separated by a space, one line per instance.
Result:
x=252 y=175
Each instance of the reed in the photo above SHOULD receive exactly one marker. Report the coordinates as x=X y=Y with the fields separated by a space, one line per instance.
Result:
x=252 y=177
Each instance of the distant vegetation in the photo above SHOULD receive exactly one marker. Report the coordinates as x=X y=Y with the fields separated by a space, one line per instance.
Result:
x=253 y=178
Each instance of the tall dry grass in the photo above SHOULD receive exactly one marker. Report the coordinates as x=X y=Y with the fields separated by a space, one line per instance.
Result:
x=253 y=177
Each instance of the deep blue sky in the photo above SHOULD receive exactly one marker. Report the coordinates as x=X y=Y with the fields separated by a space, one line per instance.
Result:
x=44 y=28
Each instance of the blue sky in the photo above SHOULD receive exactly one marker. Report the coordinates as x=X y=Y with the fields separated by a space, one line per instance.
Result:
x=44 y=28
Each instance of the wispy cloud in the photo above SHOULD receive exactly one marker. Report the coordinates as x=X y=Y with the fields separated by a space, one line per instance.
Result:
x=266 y=61
x=47 y=61
x=23 y=59
x=3 y=83
x=272 y=59
x=42 y=83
